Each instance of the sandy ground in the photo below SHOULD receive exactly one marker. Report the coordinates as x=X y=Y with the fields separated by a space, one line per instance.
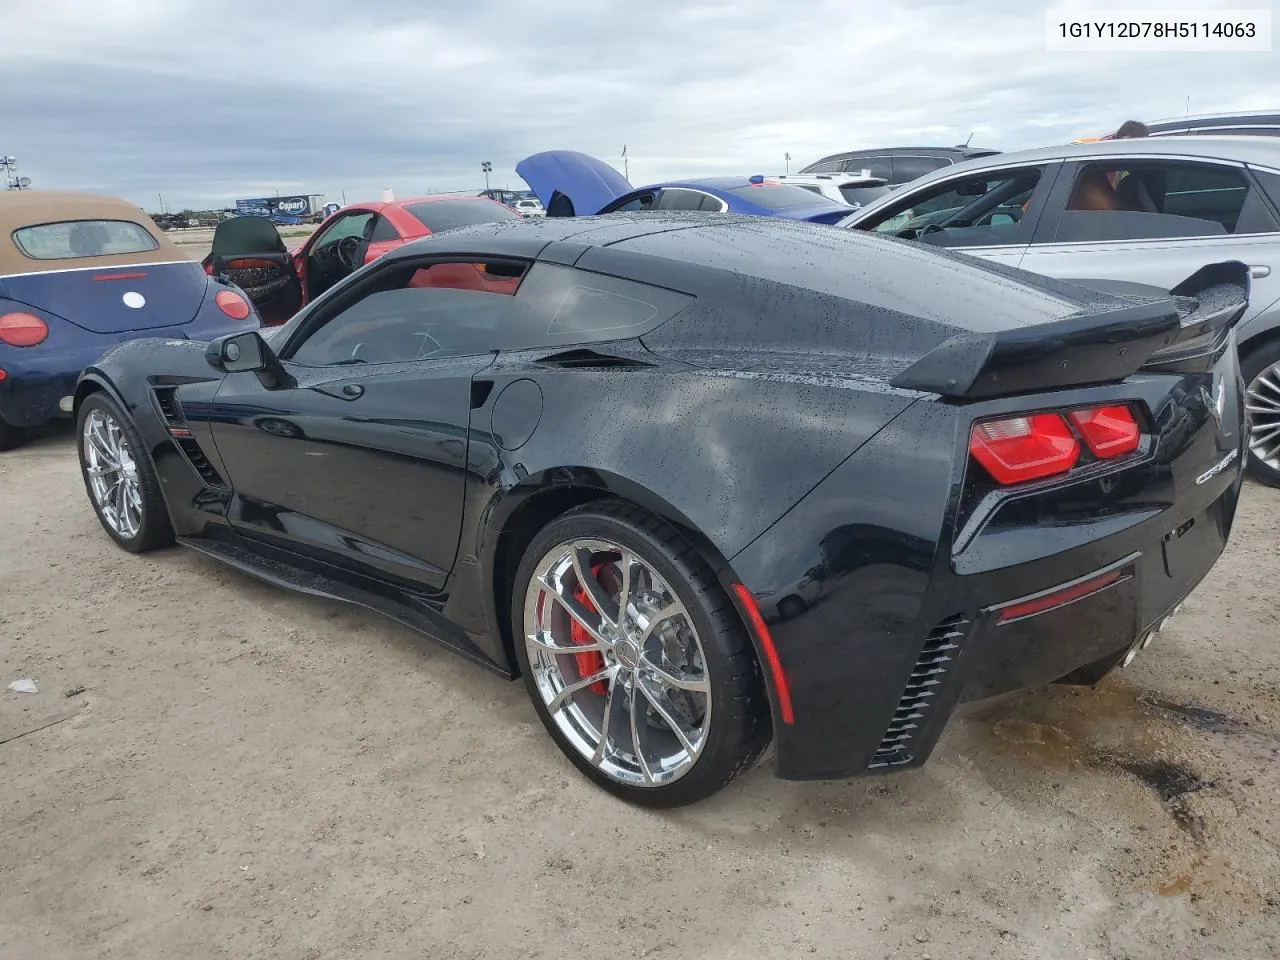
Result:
x=229 y=770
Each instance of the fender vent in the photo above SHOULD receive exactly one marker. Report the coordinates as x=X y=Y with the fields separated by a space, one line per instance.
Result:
x=167 y=401
x=932 y=666
x=171 y=410
x=590 y=358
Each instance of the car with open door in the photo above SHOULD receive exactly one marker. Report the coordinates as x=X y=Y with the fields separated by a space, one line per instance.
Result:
x=620 y=477
x=1150 y=210
x=79 y=273
x=572 y=184
x=250 y=252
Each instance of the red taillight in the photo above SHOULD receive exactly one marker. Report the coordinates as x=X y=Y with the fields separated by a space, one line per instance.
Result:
x=1017 y=449
x=22 y=329
x=232 y=304
x=1109 y=431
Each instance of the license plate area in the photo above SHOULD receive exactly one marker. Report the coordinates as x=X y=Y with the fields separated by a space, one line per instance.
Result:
x=1191 y=549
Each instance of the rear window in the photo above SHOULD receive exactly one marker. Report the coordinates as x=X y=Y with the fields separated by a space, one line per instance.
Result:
x=74 y=239
x=776 y=196
x=440 y=215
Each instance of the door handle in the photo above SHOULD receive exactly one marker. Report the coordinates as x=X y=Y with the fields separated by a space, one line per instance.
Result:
x=352 y=390
x=1259 y=270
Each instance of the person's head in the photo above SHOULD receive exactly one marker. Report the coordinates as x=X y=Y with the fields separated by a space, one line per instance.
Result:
x=1130 y=129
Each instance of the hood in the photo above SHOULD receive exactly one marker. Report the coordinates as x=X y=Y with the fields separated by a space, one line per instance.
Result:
x=585 y=183
x=241 y=236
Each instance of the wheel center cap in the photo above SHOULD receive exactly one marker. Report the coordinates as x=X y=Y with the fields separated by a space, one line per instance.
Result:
x=628 y=653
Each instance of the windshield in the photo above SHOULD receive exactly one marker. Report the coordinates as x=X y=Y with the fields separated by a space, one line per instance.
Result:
x=440 y=215
x=776 y=196
x=72 y=239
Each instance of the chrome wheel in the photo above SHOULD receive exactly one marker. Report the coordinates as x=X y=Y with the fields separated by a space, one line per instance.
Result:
x=1263 y=404
x=112 y=473
x=616 y=659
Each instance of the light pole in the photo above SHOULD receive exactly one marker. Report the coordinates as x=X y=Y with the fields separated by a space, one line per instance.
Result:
x=788 y=156
x=8 y=163
x=487 y=167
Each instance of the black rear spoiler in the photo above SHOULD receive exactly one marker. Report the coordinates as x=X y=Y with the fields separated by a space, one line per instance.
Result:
x=1172 y=330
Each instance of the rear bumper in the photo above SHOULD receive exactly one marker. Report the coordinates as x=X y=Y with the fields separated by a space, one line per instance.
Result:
x=910 y=618
x=36 y=380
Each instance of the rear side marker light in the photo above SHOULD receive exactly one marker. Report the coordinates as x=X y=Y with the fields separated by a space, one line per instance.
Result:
x=232 y=304
x=1109 y=431
x=1018 y=449
x=1060 y=598
x=772 y=663
x=22 y=329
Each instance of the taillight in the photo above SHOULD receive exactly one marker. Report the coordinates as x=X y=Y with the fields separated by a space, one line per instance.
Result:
x=22 y=329
x=1018 y=449
x=1038 y=445
x=1109 y=431
x=232 y=304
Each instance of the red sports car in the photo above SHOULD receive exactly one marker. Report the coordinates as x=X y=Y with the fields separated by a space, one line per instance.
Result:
x=249 y=251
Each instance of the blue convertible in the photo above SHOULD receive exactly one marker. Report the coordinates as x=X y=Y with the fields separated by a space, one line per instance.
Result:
x=79 y=274
x=574 y=184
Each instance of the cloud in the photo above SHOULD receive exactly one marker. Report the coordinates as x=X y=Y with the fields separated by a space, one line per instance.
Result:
x=205 y=103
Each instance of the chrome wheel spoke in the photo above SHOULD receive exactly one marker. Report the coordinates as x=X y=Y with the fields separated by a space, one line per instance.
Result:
x=678 y=681
x=665 y=709
x=666 y=613
x=560 y=698
x=1263 y=402
x=111 y=472
x=606 y=720
x=580 y=614
x=636 y=746
x=587 y=580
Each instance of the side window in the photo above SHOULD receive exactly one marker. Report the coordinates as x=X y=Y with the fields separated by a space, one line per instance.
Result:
x=643 y=202
x=562 y=307
x=352 y=225
x=980 y=209
x=713 y=204
x=1135 y=200
x=677 y=199
x=1270 y=183
x=827 y=166
x=906 y=168
x=879 y=166
x=413 y=311
x=383 y=230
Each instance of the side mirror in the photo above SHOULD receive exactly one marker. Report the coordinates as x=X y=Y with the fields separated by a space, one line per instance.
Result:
x=239 y=353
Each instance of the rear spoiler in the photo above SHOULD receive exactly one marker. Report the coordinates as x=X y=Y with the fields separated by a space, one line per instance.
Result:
x=1180 y=329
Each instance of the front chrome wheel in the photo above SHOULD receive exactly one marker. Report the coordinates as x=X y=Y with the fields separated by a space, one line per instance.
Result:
x=617 y=662
x=1263 y=404
x=112 y=473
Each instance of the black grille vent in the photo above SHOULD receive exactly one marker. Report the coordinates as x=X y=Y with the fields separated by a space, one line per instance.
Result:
x=201 y=463
x=932 y=666
x=168 y=404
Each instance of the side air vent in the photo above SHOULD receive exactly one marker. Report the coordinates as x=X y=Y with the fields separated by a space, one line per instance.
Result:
x=175 y=420
x=932 y=666
x=590 y=358
x=200 y=462
x=167 y=400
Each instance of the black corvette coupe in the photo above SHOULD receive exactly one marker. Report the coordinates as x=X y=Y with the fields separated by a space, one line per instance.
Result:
x=706 y=481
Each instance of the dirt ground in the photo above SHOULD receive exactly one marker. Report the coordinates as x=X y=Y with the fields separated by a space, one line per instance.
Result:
x=216 y=768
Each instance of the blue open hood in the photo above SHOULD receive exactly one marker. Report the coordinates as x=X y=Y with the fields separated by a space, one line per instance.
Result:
x=570 y=183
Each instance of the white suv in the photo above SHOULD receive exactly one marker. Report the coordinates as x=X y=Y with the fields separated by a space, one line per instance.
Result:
x=528 y=207
x=856 y=188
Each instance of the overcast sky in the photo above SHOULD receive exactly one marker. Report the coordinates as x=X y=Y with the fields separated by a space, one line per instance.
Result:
x=205 y=102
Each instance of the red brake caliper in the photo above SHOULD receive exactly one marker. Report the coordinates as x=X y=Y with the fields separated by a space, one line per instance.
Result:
x=591 y=662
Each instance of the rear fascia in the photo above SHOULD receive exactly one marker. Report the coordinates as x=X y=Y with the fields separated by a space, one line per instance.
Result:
x=913 y=571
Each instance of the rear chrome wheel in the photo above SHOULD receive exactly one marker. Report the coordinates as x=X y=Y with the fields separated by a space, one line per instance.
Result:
x=635 y=658
x=617 y=661
x=1261 y=369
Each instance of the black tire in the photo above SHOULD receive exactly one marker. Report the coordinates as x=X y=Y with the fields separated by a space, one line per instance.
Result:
x=739 y=730
x=155 y=530
x=11 y=436
x=1252 y=364
x=791 y=606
